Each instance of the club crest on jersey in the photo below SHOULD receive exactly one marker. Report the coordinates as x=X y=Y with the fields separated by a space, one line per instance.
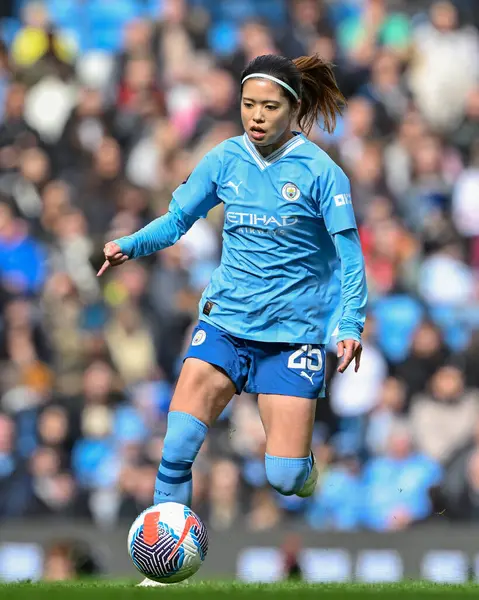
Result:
x=290 y=192
x=200 y=337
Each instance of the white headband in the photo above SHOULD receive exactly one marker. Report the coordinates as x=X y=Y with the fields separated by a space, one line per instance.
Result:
x=275 y=79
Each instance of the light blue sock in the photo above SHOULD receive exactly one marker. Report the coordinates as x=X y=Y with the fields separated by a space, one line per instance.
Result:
x=184 y=436
x=287 y=475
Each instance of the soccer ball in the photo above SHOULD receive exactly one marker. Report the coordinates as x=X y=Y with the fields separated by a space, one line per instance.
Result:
x=168 y=542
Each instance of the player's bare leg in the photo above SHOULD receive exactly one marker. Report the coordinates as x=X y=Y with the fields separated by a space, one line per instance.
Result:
x=288 y=423
x=202 y=391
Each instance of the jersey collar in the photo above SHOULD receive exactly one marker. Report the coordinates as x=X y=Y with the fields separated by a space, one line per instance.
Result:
x=262 y=162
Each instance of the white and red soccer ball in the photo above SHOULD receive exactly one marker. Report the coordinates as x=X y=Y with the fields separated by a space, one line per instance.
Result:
x=168 y=542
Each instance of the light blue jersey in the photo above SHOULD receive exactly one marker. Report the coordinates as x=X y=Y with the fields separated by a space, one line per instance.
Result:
x=279 y=278
x=280 y=275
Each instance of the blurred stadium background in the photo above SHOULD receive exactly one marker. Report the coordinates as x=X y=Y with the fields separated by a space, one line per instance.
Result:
x=105 y=107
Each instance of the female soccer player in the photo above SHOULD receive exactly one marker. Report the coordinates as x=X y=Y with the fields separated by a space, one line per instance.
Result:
x=291 y=272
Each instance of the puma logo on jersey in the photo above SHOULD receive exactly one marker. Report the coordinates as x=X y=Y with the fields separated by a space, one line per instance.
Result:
x=310 y=377
x=234 y=186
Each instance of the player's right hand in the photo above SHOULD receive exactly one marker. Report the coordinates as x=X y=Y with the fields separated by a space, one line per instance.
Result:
x=113 y=257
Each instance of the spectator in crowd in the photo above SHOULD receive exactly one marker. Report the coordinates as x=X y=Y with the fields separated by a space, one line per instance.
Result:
x=443 y=418
x=336 y=504
x=387 y=91
x=15 y=132
x=13 y=476
x=457 y=494
x=127 y=327
x=396 y=486
x=427 y=353
x=4 y=76
x=467 y=133
x=141 y=483
x=384 y=417
x=439 y=45
x=360 y=34
x=309 y=20
x=465 y=200
x=22 y=257
x=470 y=360
x=468 y=507
x=224 y=494
x=256 y=39
x=36 y=40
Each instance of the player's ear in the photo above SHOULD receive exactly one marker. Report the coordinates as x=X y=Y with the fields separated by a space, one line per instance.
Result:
x=295 y=111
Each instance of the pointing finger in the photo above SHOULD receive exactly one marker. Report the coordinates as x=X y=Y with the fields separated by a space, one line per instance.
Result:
x=104 y=267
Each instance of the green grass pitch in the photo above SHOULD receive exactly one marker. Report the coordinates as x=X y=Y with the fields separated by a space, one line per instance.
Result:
x=109 y=590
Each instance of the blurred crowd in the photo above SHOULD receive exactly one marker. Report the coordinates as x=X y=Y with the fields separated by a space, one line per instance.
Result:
x=105 y=107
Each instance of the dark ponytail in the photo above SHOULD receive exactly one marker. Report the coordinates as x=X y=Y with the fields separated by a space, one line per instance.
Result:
x=312 y=79
x=320 y=93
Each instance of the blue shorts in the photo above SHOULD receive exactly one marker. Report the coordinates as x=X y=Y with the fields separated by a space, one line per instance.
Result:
x=262 y=367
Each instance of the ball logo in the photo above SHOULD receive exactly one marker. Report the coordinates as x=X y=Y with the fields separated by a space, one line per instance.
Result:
x=190 y=522
x=290 y=192
x=200 y=337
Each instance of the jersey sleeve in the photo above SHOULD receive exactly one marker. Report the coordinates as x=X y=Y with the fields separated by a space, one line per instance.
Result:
x=354 y=289
x=197 y=195
x=191 y=200
x=334 y=201
x=159 y=234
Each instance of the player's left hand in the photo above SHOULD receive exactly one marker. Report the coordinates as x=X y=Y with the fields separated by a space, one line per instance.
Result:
x=349 y=350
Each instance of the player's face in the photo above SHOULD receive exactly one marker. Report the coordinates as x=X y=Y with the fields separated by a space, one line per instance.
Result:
x=266 y=113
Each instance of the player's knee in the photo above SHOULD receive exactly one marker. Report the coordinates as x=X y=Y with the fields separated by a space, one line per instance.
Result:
x=287 y=475
x=184 y=437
